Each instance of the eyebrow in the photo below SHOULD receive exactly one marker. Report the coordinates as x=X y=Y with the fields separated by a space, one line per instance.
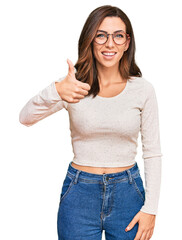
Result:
x=106 y=32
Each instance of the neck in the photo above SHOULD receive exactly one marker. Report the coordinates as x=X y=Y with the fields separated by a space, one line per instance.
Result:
x=108 y=75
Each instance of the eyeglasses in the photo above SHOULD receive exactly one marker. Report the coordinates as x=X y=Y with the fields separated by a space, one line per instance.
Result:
x=119 y=37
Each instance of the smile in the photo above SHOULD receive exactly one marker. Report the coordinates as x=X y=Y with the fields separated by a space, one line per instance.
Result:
x=109 y=53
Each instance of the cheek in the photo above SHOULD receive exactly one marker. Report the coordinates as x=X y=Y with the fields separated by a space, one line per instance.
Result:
x=95 y=51
x=120 y=53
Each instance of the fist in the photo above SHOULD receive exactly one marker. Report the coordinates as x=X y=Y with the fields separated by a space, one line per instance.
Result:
x=70 y=89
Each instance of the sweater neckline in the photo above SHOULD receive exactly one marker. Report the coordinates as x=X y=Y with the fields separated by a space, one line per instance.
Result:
x=116 y=96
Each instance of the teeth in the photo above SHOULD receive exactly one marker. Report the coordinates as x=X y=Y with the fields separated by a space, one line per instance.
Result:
x=109 y=54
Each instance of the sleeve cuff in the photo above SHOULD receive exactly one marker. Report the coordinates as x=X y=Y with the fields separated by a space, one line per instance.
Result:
x=55 y=94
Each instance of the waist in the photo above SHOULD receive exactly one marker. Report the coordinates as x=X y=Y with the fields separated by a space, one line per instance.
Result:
x=100 y=170
x=98 y=178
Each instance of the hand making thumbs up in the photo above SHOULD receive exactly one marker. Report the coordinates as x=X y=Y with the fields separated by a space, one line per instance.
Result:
x=70 y=89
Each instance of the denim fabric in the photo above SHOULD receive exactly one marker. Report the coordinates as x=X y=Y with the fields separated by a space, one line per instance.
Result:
x=90 y=203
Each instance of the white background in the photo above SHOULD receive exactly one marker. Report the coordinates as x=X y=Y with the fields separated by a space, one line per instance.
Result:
x=36 y=39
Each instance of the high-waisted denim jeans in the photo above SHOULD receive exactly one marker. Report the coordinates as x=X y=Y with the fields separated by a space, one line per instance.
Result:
x=90 y=203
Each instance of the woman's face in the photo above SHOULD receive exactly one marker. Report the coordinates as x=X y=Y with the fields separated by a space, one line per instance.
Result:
x=110 y=25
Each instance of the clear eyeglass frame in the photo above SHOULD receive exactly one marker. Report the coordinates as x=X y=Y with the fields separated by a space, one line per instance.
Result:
x=113 y=37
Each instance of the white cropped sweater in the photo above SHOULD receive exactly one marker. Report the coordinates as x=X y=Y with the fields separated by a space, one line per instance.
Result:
x=104 y=130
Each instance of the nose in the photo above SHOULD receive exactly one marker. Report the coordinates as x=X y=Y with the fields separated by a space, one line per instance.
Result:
x=110 y=41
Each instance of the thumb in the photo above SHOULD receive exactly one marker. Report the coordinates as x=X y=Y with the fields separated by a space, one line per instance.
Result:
x=71 y=70
x=132 y=223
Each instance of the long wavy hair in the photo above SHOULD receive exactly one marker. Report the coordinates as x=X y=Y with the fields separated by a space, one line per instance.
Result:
x=86 y=70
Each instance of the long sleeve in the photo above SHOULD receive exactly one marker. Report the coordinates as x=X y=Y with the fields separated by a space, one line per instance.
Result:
x=150 y=137
x=43 y=104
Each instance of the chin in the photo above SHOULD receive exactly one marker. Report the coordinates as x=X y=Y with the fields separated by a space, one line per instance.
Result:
x=108 y=64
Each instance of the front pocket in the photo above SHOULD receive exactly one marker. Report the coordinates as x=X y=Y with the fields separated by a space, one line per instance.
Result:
x=138 y=186
x=66 y=187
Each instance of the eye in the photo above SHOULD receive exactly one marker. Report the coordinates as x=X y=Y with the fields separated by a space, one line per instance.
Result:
x=100 y=35
x=119 y=35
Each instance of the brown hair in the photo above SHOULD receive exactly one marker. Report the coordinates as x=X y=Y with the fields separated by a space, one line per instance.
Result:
x=86 y=65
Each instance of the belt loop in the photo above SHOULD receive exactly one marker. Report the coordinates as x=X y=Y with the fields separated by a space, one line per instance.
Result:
x=76 y=177
x=129 y=175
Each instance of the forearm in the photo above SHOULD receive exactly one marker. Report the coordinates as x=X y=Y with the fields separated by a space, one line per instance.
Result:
x=152 y=169
x=43 y=104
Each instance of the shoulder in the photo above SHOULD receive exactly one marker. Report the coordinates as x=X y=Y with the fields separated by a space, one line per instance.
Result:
x=142 y=88
x=142 y=83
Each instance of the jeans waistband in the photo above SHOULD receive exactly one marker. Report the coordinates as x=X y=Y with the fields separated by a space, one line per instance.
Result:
x=106 y=177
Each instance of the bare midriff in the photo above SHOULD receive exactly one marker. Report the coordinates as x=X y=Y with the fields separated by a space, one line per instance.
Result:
x=100 y=170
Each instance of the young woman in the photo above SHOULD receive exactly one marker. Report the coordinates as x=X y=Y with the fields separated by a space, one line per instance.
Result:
x=109 y=103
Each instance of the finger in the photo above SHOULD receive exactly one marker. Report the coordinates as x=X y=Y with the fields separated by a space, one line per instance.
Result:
x=151 y=233
x=76 y=100
x=71 y=70
x=132 y=223
x=84 y=86
x=82 y=92
x=138 y=235
x=143 y=237
x=79 y=93
x=148 y=235
x=78 y=96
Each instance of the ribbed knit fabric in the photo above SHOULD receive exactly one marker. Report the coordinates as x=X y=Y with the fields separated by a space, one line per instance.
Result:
x=104 y=131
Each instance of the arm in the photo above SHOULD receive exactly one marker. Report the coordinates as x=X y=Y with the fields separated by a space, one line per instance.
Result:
x=43 y=104
x=150 y=137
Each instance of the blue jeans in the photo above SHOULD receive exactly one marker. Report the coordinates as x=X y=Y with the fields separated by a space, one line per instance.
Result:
x=90 y=203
